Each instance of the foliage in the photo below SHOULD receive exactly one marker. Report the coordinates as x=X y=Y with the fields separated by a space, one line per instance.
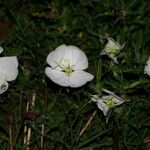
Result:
x=31 y=29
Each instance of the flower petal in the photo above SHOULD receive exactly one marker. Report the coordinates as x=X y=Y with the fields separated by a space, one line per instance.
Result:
x=8 y=68
x=56 y=56
x=101 y=105
x=103 y=52
x=123 y=45
x=94 y=98
x=72 y=54
x=112 y=94
x=1 y=49
x=3 y=86
x=114 y=98
x=147 y=67
x=79 y=60
x=11 y=59
x=112 y=48
x=57 y=76
x=79 y=78
x=113 y=43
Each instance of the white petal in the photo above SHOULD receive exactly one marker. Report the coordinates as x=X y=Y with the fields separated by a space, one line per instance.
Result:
x=94 y=98
x=3 y=86
x=114 y=59
x=56 y=56
x=123 y=45
x=117 y=100
x=8 y=68
x=1 y=49
x=147 y=67
x=57 y=76
x=11 y=59
x=79 y=60
x=103 y=107
x=75 y=57
x=113 y=43
x=79 y=78
x=14 y=60
x=112 y=94
x=103 y=52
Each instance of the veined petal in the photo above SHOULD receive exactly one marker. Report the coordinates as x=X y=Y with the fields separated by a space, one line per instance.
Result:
x=123 y=45
x=112 y=43
x=114 y=59
x=147 y=67
x=57 y=76
x=9 y=74
x=79 y=60
x=71 y=55
x=8 y=68
x=10 y=59
x=14 y=60
x=56 y=57
x=79 y=78
x=112 y=94
x=3 y=86
x=103 y=52
x=94 y=98
x=113 y=100
x=1 y=49
x=102 y=106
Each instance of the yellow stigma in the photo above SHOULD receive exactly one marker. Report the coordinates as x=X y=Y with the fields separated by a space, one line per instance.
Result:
x=113 y=50
x=68 y=70
x=66 y=67
x=110 y=102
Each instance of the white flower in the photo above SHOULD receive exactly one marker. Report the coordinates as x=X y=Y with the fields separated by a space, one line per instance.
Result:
x=8 y=71
x=112 y=49
x=66 y=66
x=1 y=49
x=147 y=67
x=107 y=102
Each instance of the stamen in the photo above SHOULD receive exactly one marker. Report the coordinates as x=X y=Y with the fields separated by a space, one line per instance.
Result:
x=110 y=102
x=65 y=66
x=113 y=50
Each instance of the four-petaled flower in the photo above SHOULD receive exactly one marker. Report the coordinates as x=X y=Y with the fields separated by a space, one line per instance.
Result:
x=112 y=49
x=8 y=71
x=107 y=102
x=147 y=67
x=67 y=65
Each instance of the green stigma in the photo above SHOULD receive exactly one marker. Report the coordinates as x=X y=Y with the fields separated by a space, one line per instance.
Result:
x=68 y=71
x=110 y=102
x=65 y=66
x=113 y=50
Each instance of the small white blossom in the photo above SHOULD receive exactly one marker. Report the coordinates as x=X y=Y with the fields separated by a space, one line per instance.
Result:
x=1 y=49
x=8 y=71
x=107 y=102
x=112 y=49
x=147 y=67
x=67 y=65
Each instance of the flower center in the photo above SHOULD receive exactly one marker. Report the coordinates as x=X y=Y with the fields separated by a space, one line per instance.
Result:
x=110 y=102
x=113 y=50
x=66 y=67
x=68 y=70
